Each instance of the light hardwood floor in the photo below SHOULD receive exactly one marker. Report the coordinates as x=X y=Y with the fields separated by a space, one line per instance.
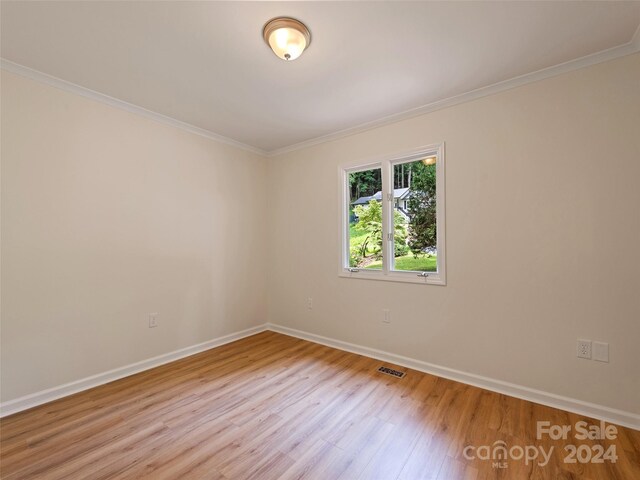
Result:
x=275 y=407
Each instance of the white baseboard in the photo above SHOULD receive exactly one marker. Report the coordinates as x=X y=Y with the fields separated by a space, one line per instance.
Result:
x=45 y=396
x=619 y=417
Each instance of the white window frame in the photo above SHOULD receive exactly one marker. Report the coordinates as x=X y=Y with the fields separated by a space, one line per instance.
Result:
x=386 y=165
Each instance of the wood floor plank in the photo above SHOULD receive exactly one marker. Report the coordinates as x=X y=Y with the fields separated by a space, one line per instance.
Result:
x=271 y=407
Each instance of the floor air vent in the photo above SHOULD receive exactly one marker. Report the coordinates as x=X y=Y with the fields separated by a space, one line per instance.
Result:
x=391 y=371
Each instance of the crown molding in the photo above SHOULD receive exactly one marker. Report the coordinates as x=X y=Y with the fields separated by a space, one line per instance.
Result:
x=599 y=57
x=633 y=46
x=121 y=104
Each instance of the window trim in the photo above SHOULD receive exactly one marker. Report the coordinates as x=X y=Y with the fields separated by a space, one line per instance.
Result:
x=386 y=164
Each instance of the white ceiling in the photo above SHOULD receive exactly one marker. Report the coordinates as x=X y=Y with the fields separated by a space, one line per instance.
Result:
x=205 y=63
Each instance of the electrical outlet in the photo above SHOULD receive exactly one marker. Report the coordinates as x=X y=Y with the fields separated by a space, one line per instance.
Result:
x=386 y=319
x=600 y=351
x=310 y=303
x=153 y=320
x=584 y=349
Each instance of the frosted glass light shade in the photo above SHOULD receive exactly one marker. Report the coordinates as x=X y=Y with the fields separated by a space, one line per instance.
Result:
x=287 y=37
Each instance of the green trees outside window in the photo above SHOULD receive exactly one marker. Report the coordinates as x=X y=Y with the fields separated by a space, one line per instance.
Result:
x=414 y=217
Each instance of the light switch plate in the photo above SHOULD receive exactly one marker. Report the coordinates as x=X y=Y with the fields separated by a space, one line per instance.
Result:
x=600 y=351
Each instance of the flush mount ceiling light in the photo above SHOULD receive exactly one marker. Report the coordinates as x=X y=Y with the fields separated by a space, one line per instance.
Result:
x=429 y=160
x=287 y=37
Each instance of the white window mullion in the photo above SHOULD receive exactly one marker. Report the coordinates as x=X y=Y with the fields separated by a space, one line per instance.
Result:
x=387 y=218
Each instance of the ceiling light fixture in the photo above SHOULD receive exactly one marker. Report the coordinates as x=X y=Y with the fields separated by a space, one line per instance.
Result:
x=429 y=160
x=287 y=37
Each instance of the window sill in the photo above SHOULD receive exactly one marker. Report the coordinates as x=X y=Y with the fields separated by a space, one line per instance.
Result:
x=408 y=277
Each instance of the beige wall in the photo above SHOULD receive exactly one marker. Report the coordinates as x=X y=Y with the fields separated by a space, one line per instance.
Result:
x=543 y=238
x=107 y=217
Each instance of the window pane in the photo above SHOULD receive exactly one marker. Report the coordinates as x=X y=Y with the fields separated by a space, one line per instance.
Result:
x=365 y=219
x=414 y=209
